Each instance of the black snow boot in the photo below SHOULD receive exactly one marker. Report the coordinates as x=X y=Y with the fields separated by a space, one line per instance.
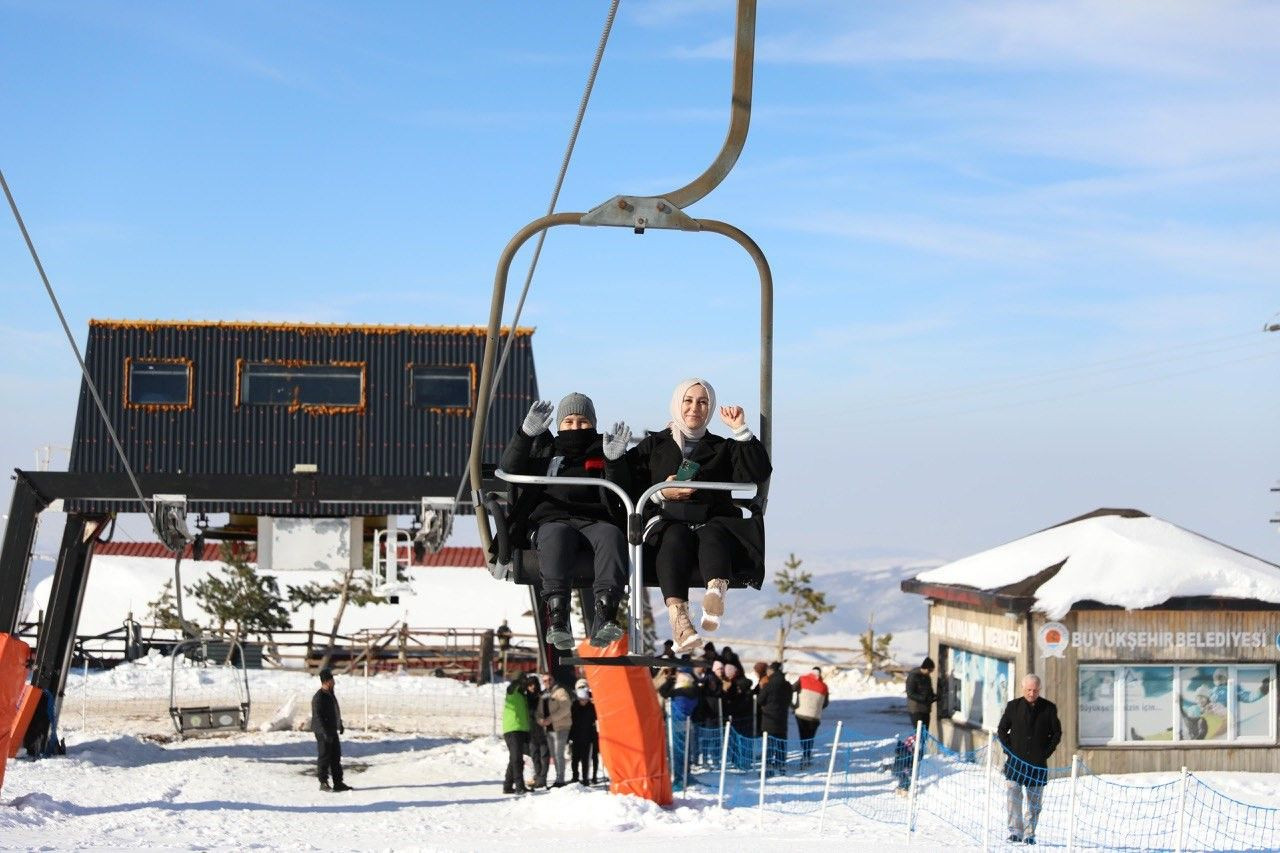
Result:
x=607 y=625
x=558 y=632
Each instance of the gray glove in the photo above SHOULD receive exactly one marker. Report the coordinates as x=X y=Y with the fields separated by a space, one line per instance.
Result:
x=541 y=413
x=615 y=441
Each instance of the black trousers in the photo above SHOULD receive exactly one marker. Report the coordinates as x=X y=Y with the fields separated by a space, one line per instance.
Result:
x=517 y=743
x=558 y=545
x=808 y=730
x=539 y=754
x=685 y=557
x=919 y=718
x=586 y=752
x=328 y=758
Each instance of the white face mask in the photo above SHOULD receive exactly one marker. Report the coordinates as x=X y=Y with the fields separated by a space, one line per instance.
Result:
x=583 y=693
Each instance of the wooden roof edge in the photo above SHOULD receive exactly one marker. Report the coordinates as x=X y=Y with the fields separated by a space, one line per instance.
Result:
x=305 y=327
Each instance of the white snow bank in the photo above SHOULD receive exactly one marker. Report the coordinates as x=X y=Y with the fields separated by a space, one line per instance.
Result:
x=1128 y=562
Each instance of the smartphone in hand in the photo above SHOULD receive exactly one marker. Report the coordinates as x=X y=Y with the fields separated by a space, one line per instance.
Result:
x=687 y=470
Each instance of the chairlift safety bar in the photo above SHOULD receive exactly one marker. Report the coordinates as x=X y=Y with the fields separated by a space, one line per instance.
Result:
x=635 y=526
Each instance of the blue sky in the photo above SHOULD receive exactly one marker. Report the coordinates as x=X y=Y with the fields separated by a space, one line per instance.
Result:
x=1023 y=251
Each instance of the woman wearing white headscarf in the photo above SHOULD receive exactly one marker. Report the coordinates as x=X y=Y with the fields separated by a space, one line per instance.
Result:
x=699 y=537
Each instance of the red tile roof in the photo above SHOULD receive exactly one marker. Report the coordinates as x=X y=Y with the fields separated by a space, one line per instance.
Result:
x=455 y=557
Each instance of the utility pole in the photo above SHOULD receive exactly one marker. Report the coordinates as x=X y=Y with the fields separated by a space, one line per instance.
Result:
x=1274 y=326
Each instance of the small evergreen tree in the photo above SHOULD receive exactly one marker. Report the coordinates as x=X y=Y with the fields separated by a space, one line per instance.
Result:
x=801 y=606
x=875 y=647
x=349 y=590
x=163 y=612
x=240 y=597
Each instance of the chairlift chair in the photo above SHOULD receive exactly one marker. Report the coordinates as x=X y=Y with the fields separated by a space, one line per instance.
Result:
x=516 y=561
x=231 y=710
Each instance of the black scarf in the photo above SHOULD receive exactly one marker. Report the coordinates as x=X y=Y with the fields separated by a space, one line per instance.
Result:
x=575 y=444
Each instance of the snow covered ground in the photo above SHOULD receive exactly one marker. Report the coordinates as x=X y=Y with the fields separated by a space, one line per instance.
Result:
x=436 y=791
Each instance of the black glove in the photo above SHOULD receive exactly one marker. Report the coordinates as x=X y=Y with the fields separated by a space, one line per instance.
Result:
x=342 y=730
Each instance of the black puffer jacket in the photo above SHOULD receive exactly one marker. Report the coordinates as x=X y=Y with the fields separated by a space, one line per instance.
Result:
x=536 y=504
x=775 y=705
x=326 y=717
x=721 y=460
x=920 y=692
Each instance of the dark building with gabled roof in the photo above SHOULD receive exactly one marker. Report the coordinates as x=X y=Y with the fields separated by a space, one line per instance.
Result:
x=263 y=398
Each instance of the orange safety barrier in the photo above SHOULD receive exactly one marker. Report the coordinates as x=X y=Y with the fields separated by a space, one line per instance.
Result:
x=14 y=655
x=632 y=740
x=31 y=697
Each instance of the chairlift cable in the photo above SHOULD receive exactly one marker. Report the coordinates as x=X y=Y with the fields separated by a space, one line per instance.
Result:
x=93 y=389
x=555 y=197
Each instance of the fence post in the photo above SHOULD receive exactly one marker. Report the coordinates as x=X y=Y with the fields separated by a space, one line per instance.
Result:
x=671 y=750
x=311 y=639
x=915 y=771
x=724 y=760
x=764 y=765
x=1071 y=812
x=1182 y=808
x=366 y=694
x=84 y=699
x=831 y=769
x=688 y=731
x=986 y=805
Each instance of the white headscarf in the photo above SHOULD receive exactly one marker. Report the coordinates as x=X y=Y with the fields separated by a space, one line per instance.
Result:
x=679 y=431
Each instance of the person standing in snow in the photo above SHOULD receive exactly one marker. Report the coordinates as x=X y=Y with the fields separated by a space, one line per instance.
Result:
x=539 y=751
x=811 y=697
x=326 y=724
x=557 y=708
x=562 y=520
x=698 y=537
x=515 y=731
x=1030 y=732
x=775 y=708
x=583 y=736
x=920 y=693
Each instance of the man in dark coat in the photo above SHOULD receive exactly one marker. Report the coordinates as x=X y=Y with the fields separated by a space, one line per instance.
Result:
x=326 y=724
x=775 y=708
x=1030 y=732
x=920 y=693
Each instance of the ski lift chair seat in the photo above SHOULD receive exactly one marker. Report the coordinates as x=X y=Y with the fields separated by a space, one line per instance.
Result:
x=525 y=568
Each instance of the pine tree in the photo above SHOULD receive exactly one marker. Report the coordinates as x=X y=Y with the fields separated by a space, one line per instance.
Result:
x=240 y=597
x=802 y=605
x=163 y=612
x=875 y=648
x=352 y=590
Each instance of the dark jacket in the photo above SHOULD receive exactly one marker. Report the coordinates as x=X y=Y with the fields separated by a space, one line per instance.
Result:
x=739 y=704
x=920 y=692
x=326 y=717
x=536 y=504
x=583 y=728
x=1030 y=733
x=775 y=705
x=657 y=457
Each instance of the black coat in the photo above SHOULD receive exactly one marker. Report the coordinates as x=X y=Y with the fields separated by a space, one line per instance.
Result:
x=920 y=692
x=1031 y=733
x=535 y=504
x=657 y=457
x=583 y=728
x=775 y=705
x=326 y=717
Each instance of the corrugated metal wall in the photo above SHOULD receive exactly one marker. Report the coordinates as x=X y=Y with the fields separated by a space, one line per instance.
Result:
x=388 y=437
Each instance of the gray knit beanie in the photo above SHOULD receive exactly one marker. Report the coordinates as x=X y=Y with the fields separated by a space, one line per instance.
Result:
x=576 y=404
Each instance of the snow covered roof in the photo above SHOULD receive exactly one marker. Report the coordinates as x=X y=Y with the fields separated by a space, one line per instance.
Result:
x=1120 y=557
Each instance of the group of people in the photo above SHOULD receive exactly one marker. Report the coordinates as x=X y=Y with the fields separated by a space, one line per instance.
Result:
x=1029 y=731
x=542 y=720
x=693 y=538
x=714 y=691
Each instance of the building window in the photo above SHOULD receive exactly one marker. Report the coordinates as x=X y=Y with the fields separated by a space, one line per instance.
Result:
x=974 y=687
x=438 y=387
x=1212 y=703
x=291 y=384
x=158 y=382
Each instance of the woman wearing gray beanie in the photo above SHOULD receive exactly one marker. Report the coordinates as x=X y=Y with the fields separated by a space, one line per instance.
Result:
x=699 y=537
x=559 y=521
